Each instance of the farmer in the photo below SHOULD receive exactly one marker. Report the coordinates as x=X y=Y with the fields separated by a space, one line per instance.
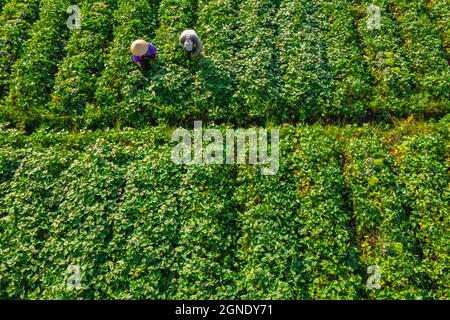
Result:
x=143 y=53
x=191 y=43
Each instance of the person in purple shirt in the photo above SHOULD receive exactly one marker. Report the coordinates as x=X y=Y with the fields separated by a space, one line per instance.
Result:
x=143 y=52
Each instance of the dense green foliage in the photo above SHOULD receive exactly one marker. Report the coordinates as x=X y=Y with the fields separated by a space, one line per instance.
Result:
x=351 y=88
x=423 y=170
x=256 y=61
x=382 y=221
x=426 y=56
x=33 y=74
x=75 y=82
x=141 y=226
x=167 y=95
x=264 y=61
x=215 y=80
x=86 y=175
x=441 y=15
x=120 y=80
x=392 y=81
x=15 y=24
x=306 y=85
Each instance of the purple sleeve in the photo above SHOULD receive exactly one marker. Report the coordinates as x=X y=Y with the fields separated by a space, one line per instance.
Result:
x=136 y=58
x=152 y=50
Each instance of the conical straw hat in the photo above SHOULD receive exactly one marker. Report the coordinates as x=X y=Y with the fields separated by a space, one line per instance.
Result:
x=139 y=47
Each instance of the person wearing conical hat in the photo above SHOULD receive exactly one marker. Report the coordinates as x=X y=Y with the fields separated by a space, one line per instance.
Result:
x=143 y=52
x=191 y=43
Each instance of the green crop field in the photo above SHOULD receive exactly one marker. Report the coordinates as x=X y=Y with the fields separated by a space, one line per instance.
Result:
x=87 y=176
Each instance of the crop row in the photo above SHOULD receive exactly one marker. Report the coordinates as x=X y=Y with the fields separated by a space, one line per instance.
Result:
x=345 y=59
x=268 y=252
x=207 y=237
x=142 y=249
x=256 y=61
x=29 y=208
x=422 y=163
x=264 y=60
x=391 y=78
x=426 y=55
x=117 y=98
x=215 y=80
x=33 y=75
x=140 y=226
x=16 y=20
x=168 y=92
x=382 y=224
x=441 y=15
x=77 y=74
x=295 y=236
x=328 y=247
x=305 y=81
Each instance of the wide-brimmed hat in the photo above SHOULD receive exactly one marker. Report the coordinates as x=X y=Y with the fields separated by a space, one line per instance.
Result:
x=139 y=47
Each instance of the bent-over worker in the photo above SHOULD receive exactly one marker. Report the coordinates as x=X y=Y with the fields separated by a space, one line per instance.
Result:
x=191 y=42
x=143 y=53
